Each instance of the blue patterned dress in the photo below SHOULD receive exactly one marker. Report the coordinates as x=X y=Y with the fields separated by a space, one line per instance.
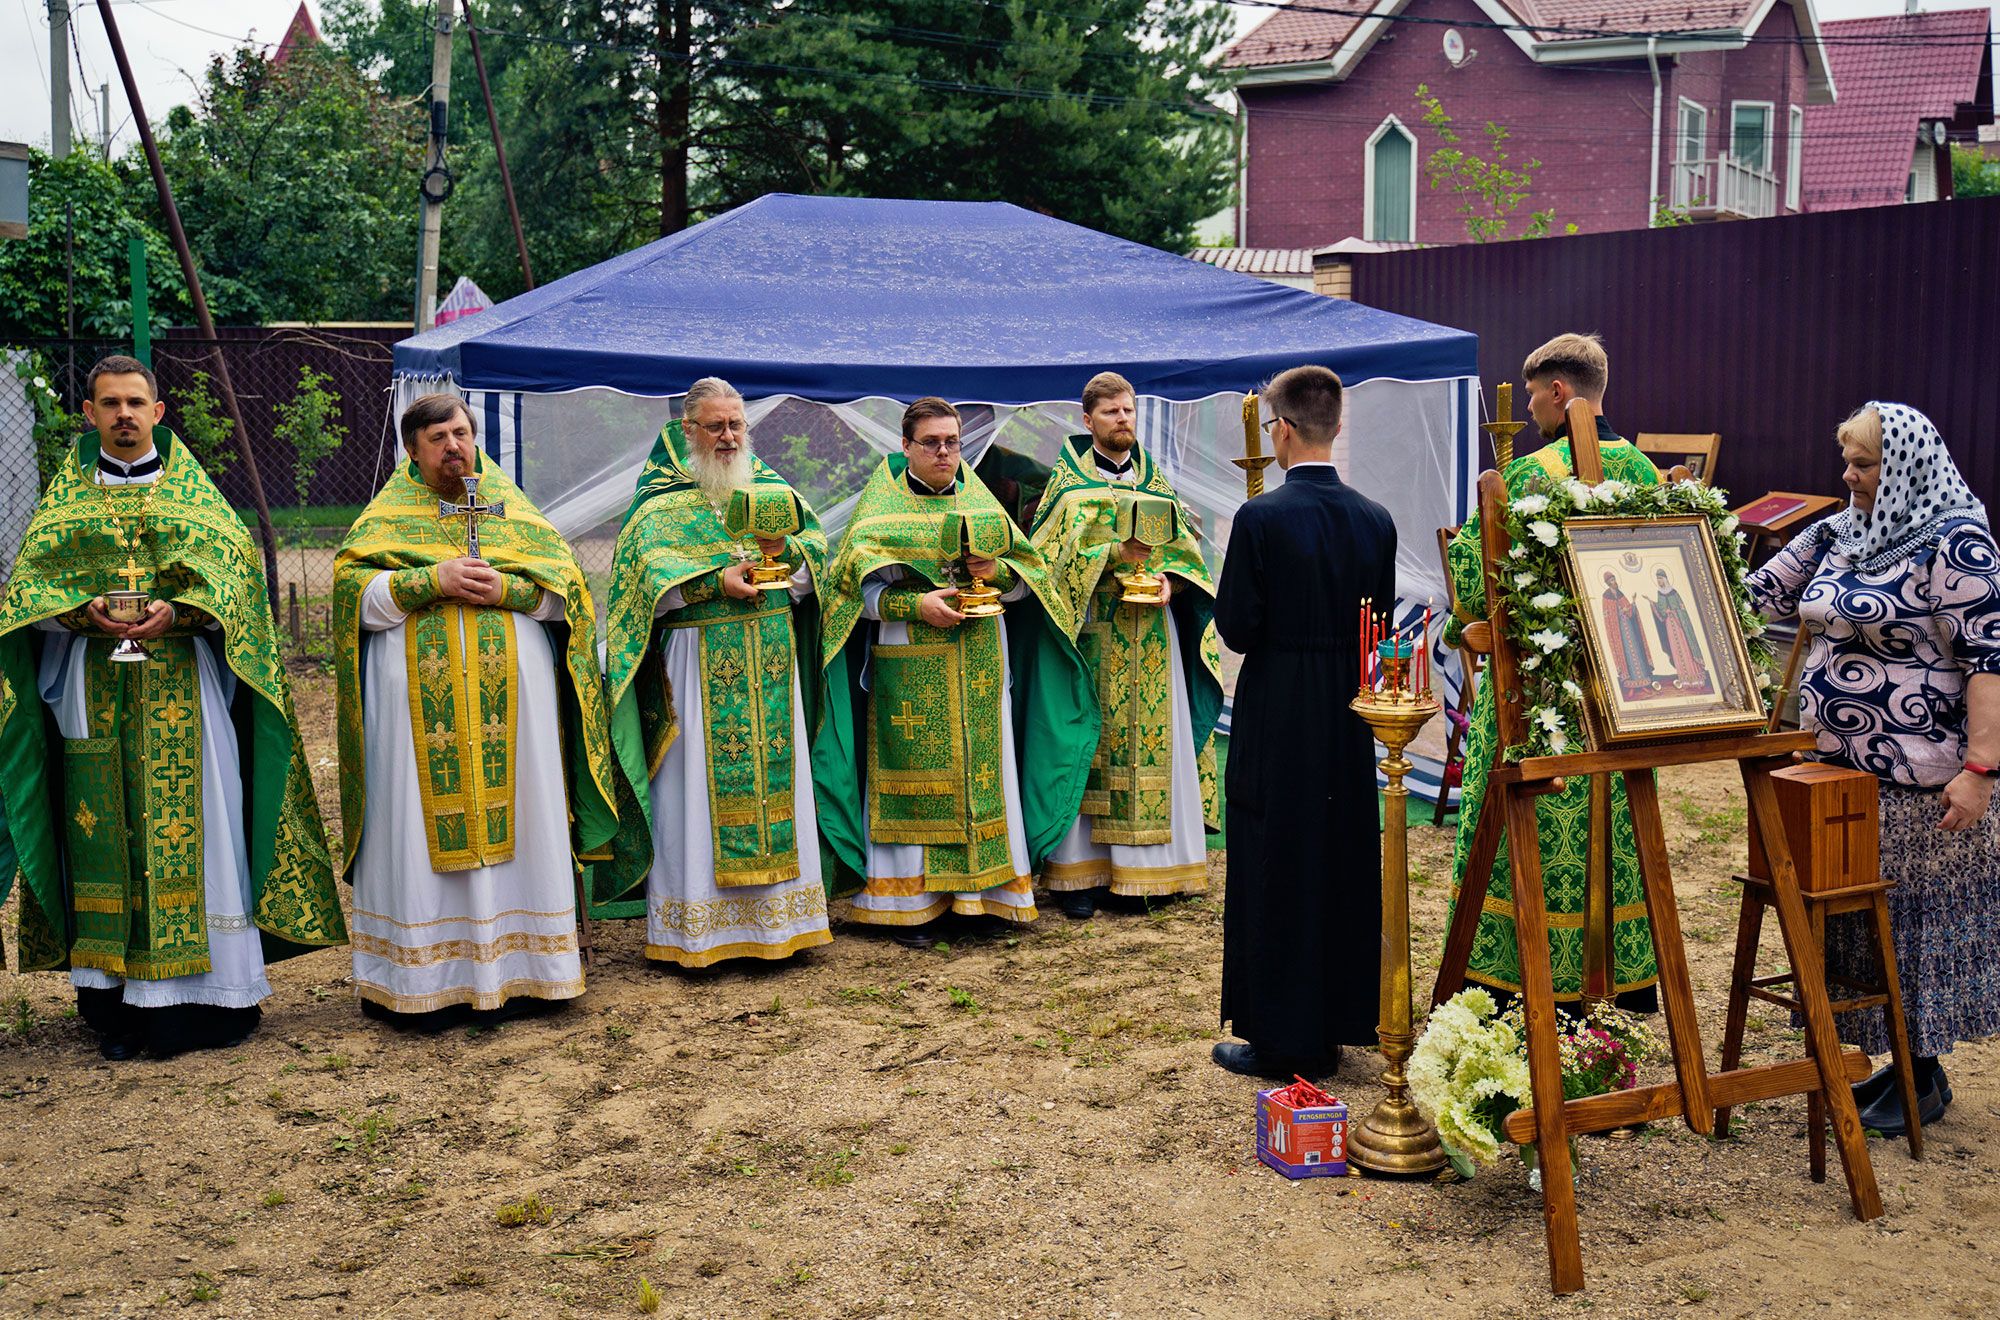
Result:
x=1891 y=651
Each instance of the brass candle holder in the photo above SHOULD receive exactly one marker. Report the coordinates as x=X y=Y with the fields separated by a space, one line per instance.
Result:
x=1153 y=521
x=976 y=534
x=1395 y=1138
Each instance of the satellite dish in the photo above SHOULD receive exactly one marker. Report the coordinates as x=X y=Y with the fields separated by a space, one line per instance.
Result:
x=1937 y=134
x=1455 y=52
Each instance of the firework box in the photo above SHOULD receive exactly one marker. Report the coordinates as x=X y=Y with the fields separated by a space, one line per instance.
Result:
x=1299 y=1138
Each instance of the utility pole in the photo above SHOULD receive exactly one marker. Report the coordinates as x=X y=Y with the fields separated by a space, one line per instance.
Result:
x=436 y=183
x=59 y=78
x=200 y=300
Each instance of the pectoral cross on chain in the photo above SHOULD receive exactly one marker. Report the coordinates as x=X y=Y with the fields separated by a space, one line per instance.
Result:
x=472 y=511
x=132 y=573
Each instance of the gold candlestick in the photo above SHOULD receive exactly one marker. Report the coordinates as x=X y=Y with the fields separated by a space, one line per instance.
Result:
x=1395 y=1138
x=1254 y=459
x=1503 y=428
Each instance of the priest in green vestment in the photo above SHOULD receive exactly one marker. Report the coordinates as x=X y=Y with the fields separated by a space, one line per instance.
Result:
x=1566 y=367
x=709 y=676
x=475 y=749
x=169 y=844
x=953 y=749
x=1143 y=830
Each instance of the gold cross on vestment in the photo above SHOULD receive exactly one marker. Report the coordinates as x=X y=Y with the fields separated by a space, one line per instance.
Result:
x=984 y=778
x=907 y=722
x=981 y=683
x=131 y=573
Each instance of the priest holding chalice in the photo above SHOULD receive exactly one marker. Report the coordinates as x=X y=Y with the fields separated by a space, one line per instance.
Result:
x=1142 y=605
x=156 y=790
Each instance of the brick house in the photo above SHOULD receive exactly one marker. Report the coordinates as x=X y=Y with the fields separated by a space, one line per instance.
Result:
x=1910 y=86
x=1628 y=104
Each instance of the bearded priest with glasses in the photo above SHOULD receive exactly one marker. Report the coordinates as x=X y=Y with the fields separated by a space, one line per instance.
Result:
x=711 y=679
x=934 y=703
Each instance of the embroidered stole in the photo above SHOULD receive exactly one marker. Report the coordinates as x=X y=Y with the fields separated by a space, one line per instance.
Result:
x=463 y=717
x=746 y=662
x=934 y=766
x=132 y=799
x=1130 y=791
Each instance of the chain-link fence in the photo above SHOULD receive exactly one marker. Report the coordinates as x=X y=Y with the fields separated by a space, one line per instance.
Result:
x=314 y=405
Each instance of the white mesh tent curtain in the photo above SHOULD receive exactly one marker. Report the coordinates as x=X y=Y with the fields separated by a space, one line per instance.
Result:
x=1409 y=444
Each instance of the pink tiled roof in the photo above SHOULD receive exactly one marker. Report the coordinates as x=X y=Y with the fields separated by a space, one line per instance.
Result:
x=1258 y=261
x=1299 y=36
x=1857 y=150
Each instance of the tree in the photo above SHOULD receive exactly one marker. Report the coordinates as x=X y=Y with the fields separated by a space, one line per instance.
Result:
x=1973 y=172
x=295 y=183
x=1098 y=114
x=1491 y=189
x=101 y=201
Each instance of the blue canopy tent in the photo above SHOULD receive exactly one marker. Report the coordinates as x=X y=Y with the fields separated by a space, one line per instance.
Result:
x=828 y=313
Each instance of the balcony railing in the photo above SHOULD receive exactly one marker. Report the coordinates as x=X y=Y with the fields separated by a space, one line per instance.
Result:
x=1723 y=187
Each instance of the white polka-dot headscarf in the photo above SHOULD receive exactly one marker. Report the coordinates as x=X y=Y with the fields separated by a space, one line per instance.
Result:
x=1920 y=490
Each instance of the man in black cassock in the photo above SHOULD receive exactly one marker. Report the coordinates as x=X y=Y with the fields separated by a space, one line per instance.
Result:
x=1302 y=924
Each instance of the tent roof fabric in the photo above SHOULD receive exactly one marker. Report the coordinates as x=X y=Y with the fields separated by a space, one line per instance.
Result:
x=1893 y=72
x=839 y=298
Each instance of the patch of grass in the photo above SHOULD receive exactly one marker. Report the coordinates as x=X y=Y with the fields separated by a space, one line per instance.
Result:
x=649 y=1296
x=617 y=1031
x=530 y=1209
x=708 y=1269
x=962 y=999
x=835 y=1172
x=336 y=1062
x=21 y=1017
x=900 y=1148
x=274 y=1198
x=466 y=1279
x=1694 y=1292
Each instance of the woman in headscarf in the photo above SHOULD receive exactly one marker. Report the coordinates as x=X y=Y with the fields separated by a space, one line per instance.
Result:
x=1900 y=597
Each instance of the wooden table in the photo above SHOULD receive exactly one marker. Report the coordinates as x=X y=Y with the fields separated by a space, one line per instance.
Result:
x=1772 y=518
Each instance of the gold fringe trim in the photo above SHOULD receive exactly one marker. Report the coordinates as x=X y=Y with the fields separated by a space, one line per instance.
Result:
x=1504 y=907
x=743 y=949
x=1130 y=838
x=430 y=955
x=1562 y=996
x=785 y=867
x=515 y=989
x=982 y=907
x=893 y=917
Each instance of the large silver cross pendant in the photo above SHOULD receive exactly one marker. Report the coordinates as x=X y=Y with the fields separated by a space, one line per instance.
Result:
x=472 y=511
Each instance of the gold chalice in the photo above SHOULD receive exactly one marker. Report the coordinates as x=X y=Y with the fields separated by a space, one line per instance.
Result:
x=977 y=534
x=770 y=512
x=1152 y=521
x=128 y=607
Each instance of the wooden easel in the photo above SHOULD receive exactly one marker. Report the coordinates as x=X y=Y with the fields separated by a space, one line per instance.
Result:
x=1695 y=1093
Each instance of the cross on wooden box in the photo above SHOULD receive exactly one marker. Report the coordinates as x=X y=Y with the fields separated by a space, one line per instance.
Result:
x=1833 y=821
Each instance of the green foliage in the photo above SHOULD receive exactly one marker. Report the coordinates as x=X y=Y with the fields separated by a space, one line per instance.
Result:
x=310 y=423
x=1669 y=217
x=104 y=204
x=1491 y=190
x=295 y=183
x=198 y=419
x=55 y=429
x=1973 y=172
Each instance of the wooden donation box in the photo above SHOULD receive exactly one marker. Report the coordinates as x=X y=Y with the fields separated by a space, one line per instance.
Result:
x=1833 y=821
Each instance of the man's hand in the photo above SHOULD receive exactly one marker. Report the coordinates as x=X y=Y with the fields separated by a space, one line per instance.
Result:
x=159 y=617
x=1966 y=798
x=736 y=583
x=1135 y=552
x=472 y=580
x=103 y=622
x=936 y=608
x=772 y=546
x=982 y=568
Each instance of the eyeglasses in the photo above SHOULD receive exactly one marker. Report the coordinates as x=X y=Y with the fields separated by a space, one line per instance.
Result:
x=937 y=447
x=1266 y=426
x=716 y=430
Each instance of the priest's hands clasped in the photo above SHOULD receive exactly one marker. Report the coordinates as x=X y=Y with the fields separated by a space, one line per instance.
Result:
x=159 y=618
x=471 y=580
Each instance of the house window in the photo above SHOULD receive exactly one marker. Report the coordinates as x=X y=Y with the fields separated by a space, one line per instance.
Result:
x=1391 y=184
x=1795 y=155
x=1750 y=133
x=1694 y=132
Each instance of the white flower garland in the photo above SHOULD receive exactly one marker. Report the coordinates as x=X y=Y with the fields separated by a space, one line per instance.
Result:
x=1544 y=622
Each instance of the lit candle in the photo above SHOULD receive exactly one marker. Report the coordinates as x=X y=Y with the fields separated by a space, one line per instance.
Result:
x=1427 y=645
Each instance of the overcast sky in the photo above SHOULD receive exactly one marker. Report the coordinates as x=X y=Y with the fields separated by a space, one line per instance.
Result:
x=171 y=41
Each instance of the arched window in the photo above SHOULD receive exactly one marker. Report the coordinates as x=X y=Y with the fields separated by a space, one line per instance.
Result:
x=1391 y=184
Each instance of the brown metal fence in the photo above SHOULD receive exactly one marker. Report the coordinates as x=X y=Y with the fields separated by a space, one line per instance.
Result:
x=265 y=366
x=1768 y=331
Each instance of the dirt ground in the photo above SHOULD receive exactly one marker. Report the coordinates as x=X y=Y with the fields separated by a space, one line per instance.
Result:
x=1023 y=1124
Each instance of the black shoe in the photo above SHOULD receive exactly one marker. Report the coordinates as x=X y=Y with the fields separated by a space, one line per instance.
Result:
x=915 y=937
x=524 y=1006
x=1879 y=1083
x=119 y=1048
x=1243 y=1058
x=426 y=1024
x=1886 y=1114
x=181 y=1028
x=1077 y=904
